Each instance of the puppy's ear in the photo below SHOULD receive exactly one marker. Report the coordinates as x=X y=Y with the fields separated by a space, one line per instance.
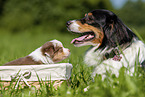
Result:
x=48 y=48
x=116 y=32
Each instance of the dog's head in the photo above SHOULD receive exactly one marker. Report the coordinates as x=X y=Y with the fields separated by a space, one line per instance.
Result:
x=55 y=50
x=100 y=28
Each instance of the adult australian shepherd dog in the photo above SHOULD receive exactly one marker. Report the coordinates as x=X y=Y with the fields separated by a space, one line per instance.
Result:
x=113 y=44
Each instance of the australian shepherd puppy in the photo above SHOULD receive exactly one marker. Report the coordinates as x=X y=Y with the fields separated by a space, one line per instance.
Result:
x=49 y=53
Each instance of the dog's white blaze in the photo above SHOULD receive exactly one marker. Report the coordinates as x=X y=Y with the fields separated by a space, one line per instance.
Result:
x=56 y=43
x=74 y=27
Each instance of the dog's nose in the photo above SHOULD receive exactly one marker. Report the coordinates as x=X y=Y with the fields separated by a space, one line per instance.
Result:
x=68 y=23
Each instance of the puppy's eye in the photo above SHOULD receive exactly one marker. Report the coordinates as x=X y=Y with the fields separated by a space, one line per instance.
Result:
x=60 y=49
x=46 y=49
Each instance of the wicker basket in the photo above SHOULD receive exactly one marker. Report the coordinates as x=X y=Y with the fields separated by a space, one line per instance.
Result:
x=32 y=75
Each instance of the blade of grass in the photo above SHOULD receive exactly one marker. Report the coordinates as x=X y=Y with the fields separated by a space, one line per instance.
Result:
x=138 y=35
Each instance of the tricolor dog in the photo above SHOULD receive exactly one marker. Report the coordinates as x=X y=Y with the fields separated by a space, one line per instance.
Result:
x=51 y=52
x=113 y=44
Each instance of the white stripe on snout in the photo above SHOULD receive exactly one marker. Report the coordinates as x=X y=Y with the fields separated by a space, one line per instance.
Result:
x=56 y=43
x=74 y=27
x=66 y=51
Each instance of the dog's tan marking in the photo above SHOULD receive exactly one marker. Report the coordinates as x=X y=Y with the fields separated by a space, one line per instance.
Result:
x=89 y=14
x=58 y=56
x=87 y=28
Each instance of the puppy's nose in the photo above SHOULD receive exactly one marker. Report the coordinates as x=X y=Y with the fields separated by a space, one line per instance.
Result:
x=68 y=23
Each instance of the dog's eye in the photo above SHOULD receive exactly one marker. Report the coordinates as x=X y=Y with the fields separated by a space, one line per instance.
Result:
x=60 y=49
x=90 y=20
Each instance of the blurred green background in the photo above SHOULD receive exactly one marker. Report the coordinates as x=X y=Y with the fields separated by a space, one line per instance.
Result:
x=27 y=24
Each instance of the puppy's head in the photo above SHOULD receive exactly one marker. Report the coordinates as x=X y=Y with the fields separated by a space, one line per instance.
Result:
x=55 y=50
x=99 y=27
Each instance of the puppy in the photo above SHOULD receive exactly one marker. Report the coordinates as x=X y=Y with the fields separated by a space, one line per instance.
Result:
x=49 y=53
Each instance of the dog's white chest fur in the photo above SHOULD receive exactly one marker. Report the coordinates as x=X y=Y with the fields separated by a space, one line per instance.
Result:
x=134 y=54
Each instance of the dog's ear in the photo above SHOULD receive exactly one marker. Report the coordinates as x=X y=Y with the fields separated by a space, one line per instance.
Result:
x=116 y=32
x=48 y=48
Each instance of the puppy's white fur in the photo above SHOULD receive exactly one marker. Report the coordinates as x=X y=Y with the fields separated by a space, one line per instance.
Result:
x=37 y=56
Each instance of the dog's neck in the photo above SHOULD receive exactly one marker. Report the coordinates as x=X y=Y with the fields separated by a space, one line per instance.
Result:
x=37 y=56
x=95 y=55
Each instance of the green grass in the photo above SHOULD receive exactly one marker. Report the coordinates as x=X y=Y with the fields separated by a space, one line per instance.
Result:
x=21 y=44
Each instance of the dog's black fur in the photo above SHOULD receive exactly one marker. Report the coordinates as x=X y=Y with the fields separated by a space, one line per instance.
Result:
x=116 y=37
x=115 y=31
